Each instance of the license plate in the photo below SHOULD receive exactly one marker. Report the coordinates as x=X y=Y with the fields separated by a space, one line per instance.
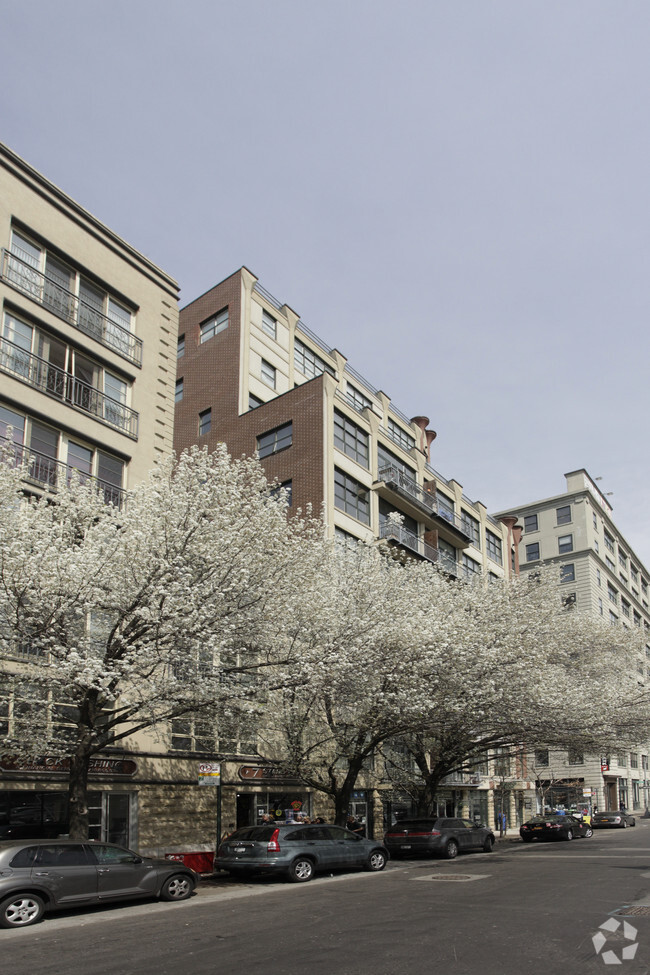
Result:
x=239 y=849
x=538 y=827
x=405 y=847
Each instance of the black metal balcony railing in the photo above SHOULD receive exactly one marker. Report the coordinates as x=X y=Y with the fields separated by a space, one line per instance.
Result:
x=52 y=381
x=53 y=296
x=406 y=486
x=49 y=473
x=392 y=531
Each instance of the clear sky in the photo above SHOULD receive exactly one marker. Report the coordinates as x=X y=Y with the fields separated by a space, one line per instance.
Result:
x=453 y=193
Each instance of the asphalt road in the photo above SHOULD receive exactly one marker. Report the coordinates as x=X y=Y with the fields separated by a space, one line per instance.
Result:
x=522 y=909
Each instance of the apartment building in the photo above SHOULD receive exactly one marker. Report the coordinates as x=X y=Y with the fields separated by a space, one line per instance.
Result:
x=253 y=375
x=600 y=574
x=88 y=333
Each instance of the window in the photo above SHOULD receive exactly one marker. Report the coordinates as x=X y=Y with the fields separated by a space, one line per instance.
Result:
x=345 y=538
x=563 y=514
x=595 y=521
x=205 y=422
x=599 y=578
x=493 y=546
x=267 y=373
x=532 y=552
x=275 y=440
x=471 y=568
x=269 y=324
x=351 y=497
x=472 y=528
x=253 y=402
x=194 y=733
x=445 y=507
x=612 y=592
x=609 y=541
x=600 y=606
x=634 y=759
x=180 y=348
x=613 y=618
x=568 y=573
x=386 y=459
x=351 y=439
x=178 y=395
x=565 y=544
x=596 y=546
x=569 y=600
x=287 y=488
x=357 y=399
x=609 y=563
x=400 y=436
x=625 y=607
x=575 y=757
x=622 y=559
x=530 y=523
x=213 y=325
x=307 y=362
x=541 y=756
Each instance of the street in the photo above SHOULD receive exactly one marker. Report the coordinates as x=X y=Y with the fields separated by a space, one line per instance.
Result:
x=524 y=908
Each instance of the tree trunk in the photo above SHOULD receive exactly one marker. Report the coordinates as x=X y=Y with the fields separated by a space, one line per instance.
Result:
x=343 y=794
x=78 y=794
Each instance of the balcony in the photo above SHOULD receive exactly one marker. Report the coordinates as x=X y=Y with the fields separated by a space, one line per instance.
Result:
x=461 y=780
x=68 y=306
x=393 y=532
x=54 y=382
x=420 y=501
x=48 y=473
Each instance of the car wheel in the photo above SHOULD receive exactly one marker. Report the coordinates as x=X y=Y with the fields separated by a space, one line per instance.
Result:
x=301 y=870
x=568 y=835
x=19 y=910
x=633 y=823
x=451 y=850
x=176 y=888
x=589 y=832
x=376 y=861
x=488 y=845
x=624 y=824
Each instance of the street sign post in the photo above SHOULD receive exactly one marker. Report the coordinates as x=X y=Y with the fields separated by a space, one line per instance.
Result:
x=210 y=774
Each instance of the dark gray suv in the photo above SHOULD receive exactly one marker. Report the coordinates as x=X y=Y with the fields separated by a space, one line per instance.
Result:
x=297 y=850
x=445 y=837
x=40 y=875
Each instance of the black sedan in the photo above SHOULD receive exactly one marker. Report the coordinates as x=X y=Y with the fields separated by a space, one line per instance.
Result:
x=554 y=827
x=443 y=837
x=613 y=817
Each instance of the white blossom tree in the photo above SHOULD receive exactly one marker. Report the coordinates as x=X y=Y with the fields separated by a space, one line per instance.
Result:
x=114 y=621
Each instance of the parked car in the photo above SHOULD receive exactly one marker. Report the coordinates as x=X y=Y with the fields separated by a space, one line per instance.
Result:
x=441 y=836
x=613 y=817
x=46 y=875
x=554 y=827
x=297 y=850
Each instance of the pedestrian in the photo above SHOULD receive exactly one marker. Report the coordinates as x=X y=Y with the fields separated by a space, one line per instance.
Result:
x=355 y=826
x=502 y=824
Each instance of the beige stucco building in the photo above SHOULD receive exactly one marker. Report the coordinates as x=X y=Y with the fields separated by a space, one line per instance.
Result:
x=88 y=332
x=602 y=575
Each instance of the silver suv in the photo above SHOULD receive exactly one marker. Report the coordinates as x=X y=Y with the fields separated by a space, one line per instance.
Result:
x=42 y=875
x=298 y=851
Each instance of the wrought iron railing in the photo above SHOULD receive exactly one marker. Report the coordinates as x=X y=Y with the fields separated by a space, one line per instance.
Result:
x=53 y=296
x=48 y=473
x=54 y=382
x=406 y=486
x=391 y=531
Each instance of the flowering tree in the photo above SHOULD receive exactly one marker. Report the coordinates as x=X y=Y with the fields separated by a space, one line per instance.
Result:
x=115 y=621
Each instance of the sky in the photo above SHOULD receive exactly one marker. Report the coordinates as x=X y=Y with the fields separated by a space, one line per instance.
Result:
x=453 y=193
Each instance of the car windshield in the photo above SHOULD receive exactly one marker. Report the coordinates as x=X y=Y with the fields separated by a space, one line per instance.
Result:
x=414 y=824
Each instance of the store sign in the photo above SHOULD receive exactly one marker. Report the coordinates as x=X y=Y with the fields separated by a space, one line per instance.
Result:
x=604 y=765
x=45 y=763
x=263 y=773
x=209 y=773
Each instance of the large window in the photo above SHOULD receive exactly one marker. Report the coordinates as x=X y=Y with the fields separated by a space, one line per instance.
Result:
x=563 y=514
x=205 y=422
x=63 y=290
x=471 y=568
x=269 y=324
x=308 y=362
x=268 y=373
x=178 y=395
x=213 y=325
x=357 y=399
x=532 y=552
x=400 y=436
x=493 y=547
x=568 y=573
x=565 y=544
x=471 y=527
x=530 y=523
x=275 y=440
x=385 y=458
x=351 y=496
x=351 y=439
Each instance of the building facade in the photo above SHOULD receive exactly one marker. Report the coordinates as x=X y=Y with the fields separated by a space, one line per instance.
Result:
x=88 y=330
x=251 y=374
x=600 y=574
